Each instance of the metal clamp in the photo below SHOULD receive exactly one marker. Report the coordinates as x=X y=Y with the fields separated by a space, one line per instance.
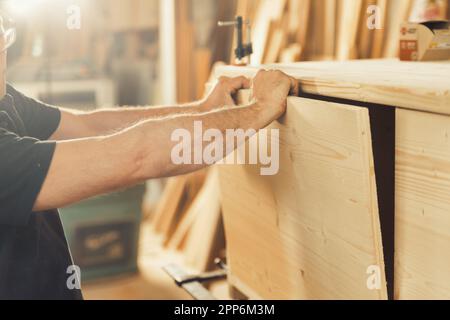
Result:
x=193 y=284
x=242 y=50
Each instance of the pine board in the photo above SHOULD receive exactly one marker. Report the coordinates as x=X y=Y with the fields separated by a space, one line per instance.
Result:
x=379 y=34
x=348 y=18
x=397 y=13
x=311 y=231
x=423 y=86
x=422 y=206
x=200 y=243
x=268 y=11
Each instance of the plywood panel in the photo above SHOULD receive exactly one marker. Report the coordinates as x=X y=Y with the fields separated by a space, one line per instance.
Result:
x=414 y=85
x=312 y=230
x=422 y=206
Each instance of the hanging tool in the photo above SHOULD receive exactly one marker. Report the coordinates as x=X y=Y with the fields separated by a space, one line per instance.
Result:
x=242 y=50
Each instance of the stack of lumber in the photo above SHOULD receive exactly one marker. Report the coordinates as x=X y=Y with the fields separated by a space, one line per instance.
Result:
x=200 y=43
x=298 y=30
x=189 y=220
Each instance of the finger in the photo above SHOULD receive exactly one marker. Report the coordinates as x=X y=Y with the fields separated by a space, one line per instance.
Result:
x=223 y=80
x=295 y=87
x=239 y=83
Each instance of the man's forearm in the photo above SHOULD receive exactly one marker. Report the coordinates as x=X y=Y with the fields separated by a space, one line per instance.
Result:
x=154 y=144
x=77 y=125
x=104 y=164
x=112 y=120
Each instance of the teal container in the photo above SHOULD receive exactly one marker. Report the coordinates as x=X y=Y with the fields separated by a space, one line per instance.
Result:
x=103 y=233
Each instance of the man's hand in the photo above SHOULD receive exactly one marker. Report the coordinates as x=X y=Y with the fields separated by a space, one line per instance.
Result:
x=271 y=89
x=224 y=92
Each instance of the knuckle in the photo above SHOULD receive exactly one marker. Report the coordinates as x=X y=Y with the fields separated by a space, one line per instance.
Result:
x=278 y=72
x=223 y=80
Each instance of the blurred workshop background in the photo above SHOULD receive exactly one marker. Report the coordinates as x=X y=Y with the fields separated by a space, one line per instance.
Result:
x=151 y=52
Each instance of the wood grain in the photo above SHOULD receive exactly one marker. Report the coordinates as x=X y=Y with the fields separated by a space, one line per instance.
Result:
x=422 y=206
x=379 y=34
x=268 y=12
x=168 y=205
x=348 y=18
x=398 y=12
x=201 y=241
x=311 y=231
x=423 y=86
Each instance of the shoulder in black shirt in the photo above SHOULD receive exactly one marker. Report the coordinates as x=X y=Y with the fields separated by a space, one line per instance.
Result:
x=34 y=255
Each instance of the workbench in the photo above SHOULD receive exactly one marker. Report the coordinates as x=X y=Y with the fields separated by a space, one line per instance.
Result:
x=360 y=208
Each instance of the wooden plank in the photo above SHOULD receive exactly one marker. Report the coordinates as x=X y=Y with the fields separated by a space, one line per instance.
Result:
x=291 y=54
x=329 y=29
x=277 y=41
x=321 y=37
x=398 y=12
x=185 y=47
x=365 y=35
x=304 y=10
x=268 y=11
x=194 y=183
x=413 y=85
x=422 y=206
x=312 y=230
x=348 y=18
x=447 y=16
x=200 y=243
x=203 y=70
x=379 y=34
x=169 y=203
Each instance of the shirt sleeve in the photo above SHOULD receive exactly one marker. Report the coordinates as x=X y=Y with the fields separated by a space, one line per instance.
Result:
x=41 y=120
x=24 y=164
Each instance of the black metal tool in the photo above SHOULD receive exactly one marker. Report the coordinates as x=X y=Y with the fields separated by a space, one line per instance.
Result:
x=193 y=284
x=242 y=50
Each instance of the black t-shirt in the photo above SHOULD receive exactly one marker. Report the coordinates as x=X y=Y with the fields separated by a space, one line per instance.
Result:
x=34 y=255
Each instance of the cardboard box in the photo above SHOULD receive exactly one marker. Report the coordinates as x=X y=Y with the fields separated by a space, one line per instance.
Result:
x=427 y=41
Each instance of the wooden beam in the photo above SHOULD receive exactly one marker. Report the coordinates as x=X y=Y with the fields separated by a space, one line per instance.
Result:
x=412 y=85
